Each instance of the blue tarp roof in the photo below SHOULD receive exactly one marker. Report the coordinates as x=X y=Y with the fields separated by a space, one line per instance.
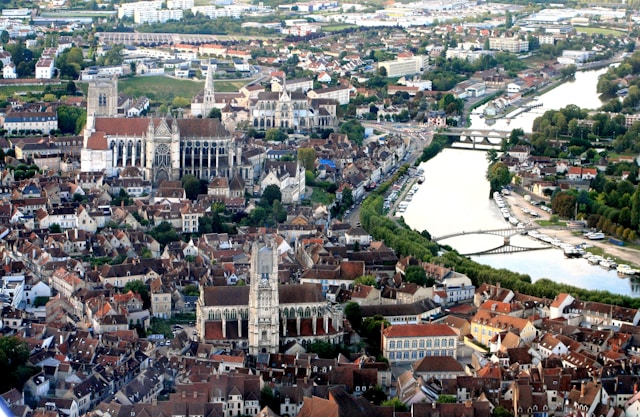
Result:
x=328 y=162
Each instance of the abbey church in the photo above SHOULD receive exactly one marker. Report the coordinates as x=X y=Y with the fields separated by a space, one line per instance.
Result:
x=163 y=148
x=167 y=148
x=266 y=315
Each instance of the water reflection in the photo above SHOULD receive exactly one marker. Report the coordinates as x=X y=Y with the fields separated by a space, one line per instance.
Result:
x=581 y=91
x=454 y=198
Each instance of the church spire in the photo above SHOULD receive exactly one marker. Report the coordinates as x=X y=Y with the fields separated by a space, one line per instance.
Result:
x=209 y=99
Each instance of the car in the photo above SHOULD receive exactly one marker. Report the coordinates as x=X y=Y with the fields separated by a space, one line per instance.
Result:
x=347 y=212
x=177 y=327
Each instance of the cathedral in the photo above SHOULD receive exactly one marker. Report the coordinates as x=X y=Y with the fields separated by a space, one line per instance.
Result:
x=266 y=315
x=162 y=148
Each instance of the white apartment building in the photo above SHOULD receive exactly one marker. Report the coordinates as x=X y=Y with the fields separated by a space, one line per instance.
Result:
x=128 y=9
x=213 y=12
x=404 y=66
x=180 y=4
x=45 y=68
x=157 y=16
x=340 y=93
x=513 y=44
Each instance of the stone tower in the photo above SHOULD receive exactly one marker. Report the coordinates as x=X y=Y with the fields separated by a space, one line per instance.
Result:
x=264 y=323
x=209 y=98
x=102 y=101
x=102 y=97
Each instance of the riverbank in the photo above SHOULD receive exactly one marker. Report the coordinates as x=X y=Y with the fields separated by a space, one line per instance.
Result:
x=629 y=255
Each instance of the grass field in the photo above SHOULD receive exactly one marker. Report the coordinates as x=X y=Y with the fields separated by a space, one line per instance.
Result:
x=321 y=196
x=337 y=28
x=9 y=90
x=599 y=31
x=161 y=89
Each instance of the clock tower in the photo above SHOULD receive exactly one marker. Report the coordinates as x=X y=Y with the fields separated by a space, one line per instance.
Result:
x=264 y=323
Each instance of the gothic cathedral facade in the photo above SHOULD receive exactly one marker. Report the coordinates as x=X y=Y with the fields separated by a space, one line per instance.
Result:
x=162 y=148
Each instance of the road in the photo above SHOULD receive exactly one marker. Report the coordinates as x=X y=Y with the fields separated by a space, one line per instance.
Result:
x=419 y=137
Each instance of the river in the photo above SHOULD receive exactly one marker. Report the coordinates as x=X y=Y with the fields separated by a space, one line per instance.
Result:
x=454 y=198
x=580 y=91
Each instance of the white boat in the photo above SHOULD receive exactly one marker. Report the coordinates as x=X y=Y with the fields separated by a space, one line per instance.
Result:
x=595 y=259
x=624 y=269
x=608 y=263
x=595 y=236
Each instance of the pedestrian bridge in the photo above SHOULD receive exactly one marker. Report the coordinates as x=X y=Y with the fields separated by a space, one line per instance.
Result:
x=505 y=248
x=504 y=232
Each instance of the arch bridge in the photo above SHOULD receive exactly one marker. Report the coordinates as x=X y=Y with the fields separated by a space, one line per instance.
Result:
x=506 y=246
x=475 y=137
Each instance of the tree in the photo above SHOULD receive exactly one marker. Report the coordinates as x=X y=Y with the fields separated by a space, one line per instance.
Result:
x=270 y=194
x=191 y=290
x=564 y=204
x=191 y=186
x=416 y=275
x=55 y=228
x=501 y=412
x=307 y=157
x=568 y=71
x=375 y=395
x=396 y=403
x=122 y=199
x=14 y=354
x=347 y=197
x=508 y=19
x=635 y=209
x=366 y=280
x=71 y=119
x=181 y=102
x=215 y=113
x=492 y=156
x=4 y=37
x=71 y=88
x=164 y=233
x=139 y=288
x=353 y=314
x=498 y=176
x=354 y=131
x=275 y=135
x=268 y=398
x=447 y=399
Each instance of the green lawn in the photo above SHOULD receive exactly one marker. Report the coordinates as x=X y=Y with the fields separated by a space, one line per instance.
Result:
x=321 y=196
x=599 y=31
x=9 y=90
x=160 y=89
x=337 y=28
x=546 y=223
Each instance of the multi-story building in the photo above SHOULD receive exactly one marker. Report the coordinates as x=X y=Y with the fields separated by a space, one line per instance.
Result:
x=410 y=342
x=129 y=9
x=340 y=93
x=486 y=324
x=515 y=45
x=17 y=121
x=45 y=68
x=404 y=66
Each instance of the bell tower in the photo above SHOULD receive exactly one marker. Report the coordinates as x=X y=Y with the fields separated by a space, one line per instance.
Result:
x=264 y=323
x=102 y=101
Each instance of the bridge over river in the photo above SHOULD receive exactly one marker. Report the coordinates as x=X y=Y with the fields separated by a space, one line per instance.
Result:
x=504 y=248
x=487 y=137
